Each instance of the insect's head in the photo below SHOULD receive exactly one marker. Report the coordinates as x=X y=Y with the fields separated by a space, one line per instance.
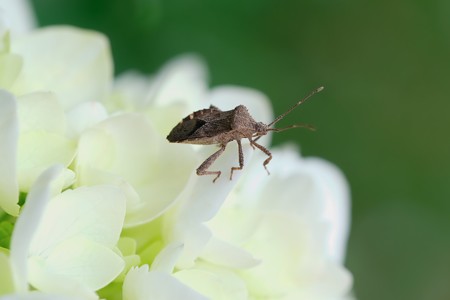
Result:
x=269 y=127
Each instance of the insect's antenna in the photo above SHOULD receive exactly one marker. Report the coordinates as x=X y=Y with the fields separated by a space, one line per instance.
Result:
x=297 y=104
x=301 y=125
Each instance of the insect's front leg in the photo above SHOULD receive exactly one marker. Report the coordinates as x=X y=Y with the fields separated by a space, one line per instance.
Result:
x=203 y=168
x=263 y=149
x=241 y=159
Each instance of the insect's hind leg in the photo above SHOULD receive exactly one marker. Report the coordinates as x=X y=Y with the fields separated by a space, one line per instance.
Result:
x=263 y=149
x=203 y=168
x=241 y=159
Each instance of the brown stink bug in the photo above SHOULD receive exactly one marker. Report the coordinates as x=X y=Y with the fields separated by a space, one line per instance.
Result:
x=213 y=126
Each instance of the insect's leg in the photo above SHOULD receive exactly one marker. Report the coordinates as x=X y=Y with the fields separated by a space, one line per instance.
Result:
x=241 y=159
x=203 y=168
x=267 y=152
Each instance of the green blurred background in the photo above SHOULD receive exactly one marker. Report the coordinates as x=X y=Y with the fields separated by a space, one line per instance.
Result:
x=383 y=117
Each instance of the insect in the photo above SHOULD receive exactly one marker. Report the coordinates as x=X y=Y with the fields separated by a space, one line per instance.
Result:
x=213 y=126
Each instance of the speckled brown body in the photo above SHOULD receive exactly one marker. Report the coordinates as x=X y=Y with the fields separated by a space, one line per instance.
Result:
x=213 y=126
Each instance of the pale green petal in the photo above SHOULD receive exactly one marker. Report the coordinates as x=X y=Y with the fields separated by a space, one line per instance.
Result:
x=215 y=283
x=225 y=254
x=27 y=224
x=4 y=32
x=10 y=66
x=9 y=131
x=38 y=150
x=95 y=212
x=73 y=63
x=46 y=280
x=126 y=147
x=6 y=275
x=64 y=181
x=167 y=258
x=42 y=139
x=289 y=250
x=74 y=245
x=127 y=247
x=233 y=226
x=148 y=239
x=77 y=259
x=140 y=284
x=41 y=111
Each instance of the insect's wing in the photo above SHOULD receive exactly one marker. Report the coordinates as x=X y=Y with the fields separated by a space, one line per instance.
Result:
x=184 y=130
x=215 y=124
x=201 y=125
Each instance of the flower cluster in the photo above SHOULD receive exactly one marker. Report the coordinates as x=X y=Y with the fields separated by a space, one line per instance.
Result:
x=95 y=203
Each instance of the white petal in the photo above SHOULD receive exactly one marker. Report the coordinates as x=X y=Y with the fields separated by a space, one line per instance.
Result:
x=75 y=64
x=199 y=202
x=312 y=188
x=35 y=295
x=140 y=284
x=41 y=111
x=126 y=147
x=202 y=201
x=335 y=191
x=214 y=283
x=130 y=91
x=19 y=15
x=38 y=150
x=27 y=224
x=9 y=132
x=84 y=116
x=184 y=79
x=291 y=263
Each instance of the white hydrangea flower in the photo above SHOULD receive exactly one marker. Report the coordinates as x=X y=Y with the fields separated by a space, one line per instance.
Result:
x=66 y=244
x=125 y=215
x=224 y=267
